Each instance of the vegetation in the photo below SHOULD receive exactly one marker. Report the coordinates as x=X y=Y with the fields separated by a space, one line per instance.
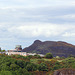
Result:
x=49 y=55
x=33 y=65
x=43 y=67
x=2 y=50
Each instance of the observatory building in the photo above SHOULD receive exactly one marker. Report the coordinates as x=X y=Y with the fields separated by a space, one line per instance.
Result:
x=16 y=51
x=18 y=48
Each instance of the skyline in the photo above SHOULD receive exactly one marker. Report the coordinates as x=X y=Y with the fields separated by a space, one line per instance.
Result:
x=24 y=21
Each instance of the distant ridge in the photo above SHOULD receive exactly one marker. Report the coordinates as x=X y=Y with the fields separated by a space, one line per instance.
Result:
x=57 y=48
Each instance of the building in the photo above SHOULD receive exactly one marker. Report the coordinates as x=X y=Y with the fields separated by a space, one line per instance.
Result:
x=31 y=54
x=18 y=48
x=41 y=55
x=16 y=51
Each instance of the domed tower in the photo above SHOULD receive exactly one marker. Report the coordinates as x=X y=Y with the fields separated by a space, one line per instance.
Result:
x=18 y=48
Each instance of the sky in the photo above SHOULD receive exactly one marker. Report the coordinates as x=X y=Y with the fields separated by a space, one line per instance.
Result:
x=24 y=21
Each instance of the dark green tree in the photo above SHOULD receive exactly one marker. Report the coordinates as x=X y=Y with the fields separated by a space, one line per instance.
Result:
x=21 y=71
x=20 y=63
x=37 y=56
x=49 y=55
x=42 y=67
x=31 y=67
x=6 y=73
x=14 y=67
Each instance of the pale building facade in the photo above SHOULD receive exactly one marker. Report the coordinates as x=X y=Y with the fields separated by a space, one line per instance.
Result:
x=17 y=53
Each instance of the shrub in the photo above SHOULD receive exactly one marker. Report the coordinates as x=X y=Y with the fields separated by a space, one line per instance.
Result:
x=42 y=67
x=29 y=56
x=57 y=63
x=18 y=56
x=55 y=67
x=31 y=67
x=6 y=73
x=14 y=67
x=37 y=56
x=20 y=63
x=49 y=55
x=21 y=71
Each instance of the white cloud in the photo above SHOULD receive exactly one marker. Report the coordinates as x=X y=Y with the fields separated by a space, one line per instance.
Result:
x=28 y=19
x=11 y=33
x=69 y=34
x=35 y=4
x=68 y=16
x=39 y=29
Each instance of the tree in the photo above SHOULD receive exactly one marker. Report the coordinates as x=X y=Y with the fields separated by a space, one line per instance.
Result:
x=2 y=50
x=71 y=55
x=20 y=63
x=55 y=67
x=21 y=71
x=6 y=73
x=14 y=67
x=37 y=56
x=31 y=67
x=49 y=55
x=4 y=67
x=42 y=67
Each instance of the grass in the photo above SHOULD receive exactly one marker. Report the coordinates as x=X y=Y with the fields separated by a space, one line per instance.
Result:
x=47 y=59
x=35 y=61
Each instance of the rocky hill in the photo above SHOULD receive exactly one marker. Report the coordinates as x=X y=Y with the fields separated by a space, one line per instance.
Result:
x=57 y=48
x=65 y=72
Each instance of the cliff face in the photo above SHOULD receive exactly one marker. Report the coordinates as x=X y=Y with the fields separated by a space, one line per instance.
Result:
x=58 y=48
x=65 y=72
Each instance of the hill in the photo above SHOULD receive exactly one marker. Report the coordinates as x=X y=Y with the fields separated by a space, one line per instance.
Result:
x=65 y=72
x=57 y=48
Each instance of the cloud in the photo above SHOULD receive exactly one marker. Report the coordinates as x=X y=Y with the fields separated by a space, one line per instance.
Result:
x=30 y=30
x=19 y=32
x=69 y=34
x=35 y=29
x=68 y=17
x=53 y=15
x=22 y=20
x=36 y=4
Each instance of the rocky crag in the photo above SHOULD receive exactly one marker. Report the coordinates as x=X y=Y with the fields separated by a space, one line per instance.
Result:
x=57 y=48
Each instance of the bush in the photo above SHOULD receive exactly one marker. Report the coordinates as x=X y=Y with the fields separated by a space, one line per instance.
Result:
x=42 y=67
x=49 y=55
x=31 y=67
x=18 y=56
x=29 y=56
x=55 y=67
x=4 y=67
x=14 y=67
x=6 y=73
x=37 y=56
x=57 y=63
x=20 y=63
x=21 y=71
